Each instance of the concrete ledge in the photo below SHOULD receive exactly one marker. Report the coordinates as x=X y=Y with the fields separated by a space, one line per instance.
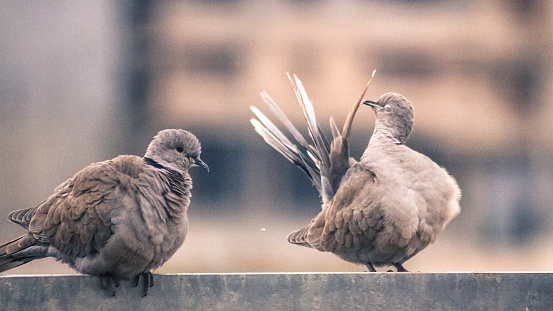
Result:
x=287 y=291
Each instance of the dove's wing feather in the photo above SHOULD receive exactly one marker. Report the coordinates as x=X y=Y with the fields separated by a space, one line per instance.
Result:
x=77 y=220
x=355 y=222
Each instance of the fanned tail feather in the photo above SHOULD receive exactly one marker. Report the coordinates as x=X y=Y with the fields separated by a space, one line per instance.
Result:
x=322 y=147
x=290 y=151
x=323 y=162
x=310 y=158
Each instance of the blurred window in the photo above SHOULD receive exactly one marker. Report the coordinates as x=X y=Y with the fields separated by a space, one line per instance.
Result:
x=216 y=59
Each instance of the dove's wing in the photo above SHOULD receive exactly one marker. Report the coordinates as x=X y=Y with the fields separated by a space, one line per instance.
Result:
x=355 y=219
x=351 y=219
x=77 y=220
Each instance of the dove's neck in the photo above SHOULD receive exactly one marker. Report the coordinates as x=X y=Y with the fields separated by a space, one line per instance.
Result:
x=384 y=135
x=158 y=162
x=175 y=178
x=174 y=186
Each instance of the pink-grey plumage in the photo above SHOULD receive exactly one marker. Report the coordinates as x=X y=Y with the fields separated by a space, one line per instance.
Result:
x=380 y=210
x=118 y=219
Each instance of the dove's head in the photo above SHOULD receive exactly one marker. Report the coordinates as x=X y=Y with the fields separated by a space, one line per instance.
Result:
x=394 y=116
x=176 y=149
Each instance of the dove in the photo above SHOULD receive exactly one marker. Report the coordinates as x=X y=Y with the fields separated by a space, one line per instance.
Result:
x=118 y=219
x=378 y=211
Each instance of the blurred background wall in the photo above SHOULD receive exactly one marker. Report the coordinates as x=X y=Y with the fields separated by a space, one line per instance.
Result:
x=84 y=81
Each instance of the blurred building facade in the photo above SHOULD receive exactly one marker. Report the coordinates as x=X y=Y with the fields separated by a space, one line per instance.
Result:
x=87 y=81
x=478 y=72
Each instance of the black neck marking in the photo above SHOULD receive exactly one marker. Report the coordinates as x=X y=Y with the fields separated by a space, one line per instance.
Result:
x=153 y=163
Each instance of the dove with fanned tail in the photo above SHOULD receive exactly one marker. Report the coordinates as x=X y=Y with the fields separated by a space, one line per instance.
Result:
x=380 y=210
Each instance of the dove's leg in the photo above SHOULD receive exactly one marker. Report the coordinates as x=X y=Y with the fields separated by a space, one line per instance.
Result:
x=400 y=267
x=147 y=281
x=370 y=267
x=109 y=284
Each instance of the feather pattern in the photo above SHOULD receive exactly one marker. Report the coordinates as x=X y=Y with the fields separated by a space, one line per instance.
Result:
x=323 y=162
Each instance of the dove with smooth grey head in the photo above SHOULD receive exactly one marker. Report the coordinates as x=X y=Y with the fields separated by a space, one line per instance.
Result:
x=380 y=210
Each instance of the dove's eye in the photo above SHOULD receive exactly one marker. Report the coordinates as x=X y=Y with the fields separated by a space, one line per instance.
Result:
x=180 y=149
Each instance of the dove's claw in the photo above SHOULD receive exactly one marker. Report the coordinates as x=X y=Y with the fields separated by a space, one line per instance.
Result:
x=400 y=267
x=109 y=284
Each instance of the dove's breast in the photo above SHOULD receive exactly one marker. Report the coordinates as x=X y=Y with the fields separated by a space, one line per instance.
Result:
x=419 y=198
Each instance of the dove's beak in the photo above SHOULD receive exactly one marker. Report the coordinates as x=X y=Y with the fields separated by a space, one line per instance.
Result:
x=202 y=164
x=371 y=103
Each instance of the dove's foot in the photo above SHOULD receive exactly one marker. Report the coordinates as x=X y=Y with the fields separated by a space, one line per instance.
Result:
x=109 y=284
x=147 y=281
x=400 y=267
x=370 y=267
